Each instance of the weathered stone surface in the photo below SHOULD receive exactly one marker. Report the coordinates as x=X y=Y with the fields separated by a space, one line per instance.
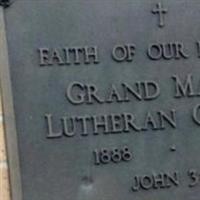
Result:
x=105 y=99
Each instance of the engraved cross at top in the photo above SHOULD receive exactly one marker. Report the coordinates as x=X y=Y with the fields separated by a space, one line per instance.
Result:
x=161 y=12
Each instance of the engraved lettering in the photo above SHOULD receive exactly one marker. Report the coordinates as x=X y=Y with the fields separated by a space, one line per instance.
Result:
x=159 y=181
x=116 y=124
x=55 y=57
x=196 y=114
x=83 y=120
x=155 y=181
x=167 y=51
x=116 y=155
x=194 y=176
x=44 y=56
x=69 y=55
x=111 y=124
x=66 y=126
x=76 y=88
x=149 y=120
x=153 y=87
x=170 y=119
x=78 y=93
x=198 y=48
x=184 y=88
x=114 y=94
x=51 y=133
x=180 y=51
x=100 y=122
x=76 y=51
x=129 y=90
x=129 y=120
x=122 y=53
x=91 y=52
x=91 y=91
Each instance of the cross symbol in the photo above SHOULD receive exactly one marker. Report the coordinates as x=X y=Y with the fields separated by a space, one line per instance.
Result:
x=160 y=11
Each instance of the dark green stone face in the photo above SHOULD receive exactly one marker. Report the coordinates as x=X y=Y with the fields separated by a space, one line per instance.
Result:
x=106 y=99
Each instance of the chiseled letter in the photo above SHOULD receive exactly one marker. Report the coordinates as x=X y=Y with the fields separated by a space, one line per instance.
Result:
x=51 y=133
x=44 y=56
x=78 y=88
x=196 y=114
x=183 y=89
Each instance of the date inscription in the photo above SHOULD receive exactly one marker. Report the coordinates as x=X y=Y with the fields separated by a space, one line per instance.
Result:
x=116 y=155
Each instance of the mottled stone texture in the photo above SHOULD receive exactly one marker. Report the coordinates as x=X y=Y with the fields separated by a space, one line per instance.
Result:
x=4 y=186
